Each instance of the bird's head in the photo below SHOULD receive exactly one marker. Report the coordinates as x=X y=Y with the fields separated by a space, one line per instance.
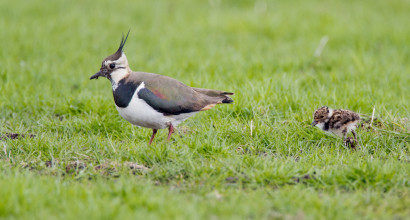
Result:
x=321 y=115
x=115 y=66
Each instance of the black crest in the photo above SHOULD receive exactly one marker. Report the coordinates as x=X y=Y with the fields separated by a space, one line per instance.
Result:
x=118 y=54
x=123 y=41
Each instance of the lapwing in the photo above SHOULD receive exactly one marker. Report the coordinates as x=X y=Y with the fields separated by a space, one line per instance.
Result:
x=339 y=122
x=154 y=101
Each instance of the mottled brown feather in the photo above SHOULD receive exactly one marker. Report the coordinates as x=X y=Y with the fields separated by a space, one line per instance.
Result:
x=342 y=117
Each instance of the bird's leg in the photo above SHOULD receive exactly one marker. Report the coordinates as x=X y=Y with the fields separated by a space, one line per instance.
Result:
x=154 y=131
x=345 y=137
x=171 y=130
x=355 y=139
x=355 y=135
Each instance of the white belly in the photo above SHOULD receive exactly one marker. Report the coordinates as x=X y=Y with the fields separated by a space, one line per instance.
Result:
x=349 y=127
x=339 y=132
x=139 y=113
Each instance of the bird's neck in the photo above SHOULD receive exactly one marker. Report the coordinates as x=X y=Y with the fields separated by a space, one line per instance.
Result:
x=118 y=75
x=330 y=113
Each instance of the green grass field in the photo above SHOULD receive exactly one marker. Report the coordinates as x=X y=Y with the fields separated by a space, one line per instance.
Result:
x=85 y=161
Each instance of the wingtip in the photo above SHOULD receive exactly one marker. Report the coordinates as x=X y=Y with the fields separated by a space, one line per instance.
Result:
x=227 y=100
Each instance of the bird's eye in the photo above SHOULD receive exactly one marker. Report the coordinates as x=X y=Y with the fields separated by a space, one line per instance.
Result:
x=112 y=65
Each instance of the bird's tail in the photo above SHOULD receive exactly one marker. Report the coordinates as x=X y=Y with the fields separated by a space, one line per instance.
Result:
x=221 y=96
x=214 y=97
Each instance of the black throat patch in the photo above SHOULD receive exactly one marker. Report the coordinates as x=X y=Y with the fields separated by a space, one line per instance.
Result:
x=326 y=127
x=124 y=93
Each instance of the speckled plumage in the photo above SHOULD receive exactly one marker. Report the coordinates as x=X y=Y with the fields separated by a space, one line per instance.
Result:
x=339 y=122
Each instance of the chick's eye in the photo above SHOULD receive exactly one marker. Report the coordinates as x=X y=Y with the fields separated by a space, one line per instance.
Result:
x=112 y=65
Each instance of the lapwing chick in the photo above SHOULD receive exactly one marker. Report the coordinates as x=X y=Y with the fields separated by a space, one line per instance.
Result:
x=154 y=101
x=339 y=122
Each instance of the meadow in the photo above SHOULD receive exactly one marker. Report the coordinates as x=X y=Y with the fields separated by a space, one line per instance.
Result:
x=258 y=158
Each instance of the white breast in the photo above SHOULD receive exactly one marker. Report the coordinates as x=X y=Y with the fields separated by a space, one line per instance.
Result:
x=139 y=113
x=321 y=126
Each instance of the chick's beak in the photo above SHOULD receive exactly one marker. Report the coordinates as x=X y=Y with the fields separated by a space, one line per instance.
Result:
x=314 y=123
x=95 y=76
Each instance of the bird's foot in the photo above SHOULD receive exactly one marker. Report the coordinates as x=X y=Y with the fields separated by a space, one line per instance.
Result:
x=350 y=142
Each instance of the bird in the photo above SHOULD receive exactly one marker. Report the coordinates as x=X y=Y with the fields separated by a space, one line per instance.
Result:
x=339 y=122
x=151 y=100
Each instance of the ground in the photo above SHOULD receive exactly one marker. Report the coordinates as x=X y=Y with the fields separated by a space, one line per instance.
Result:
x=67 y=154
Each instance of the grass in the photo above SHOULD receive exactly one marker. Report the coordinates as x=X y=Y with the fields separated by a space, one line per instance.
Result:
x=85 y=161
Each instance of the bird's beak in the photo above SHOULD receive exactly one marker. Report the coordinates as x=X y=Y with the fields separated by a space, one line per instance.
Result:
x=95 y=76
x=314 y=123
